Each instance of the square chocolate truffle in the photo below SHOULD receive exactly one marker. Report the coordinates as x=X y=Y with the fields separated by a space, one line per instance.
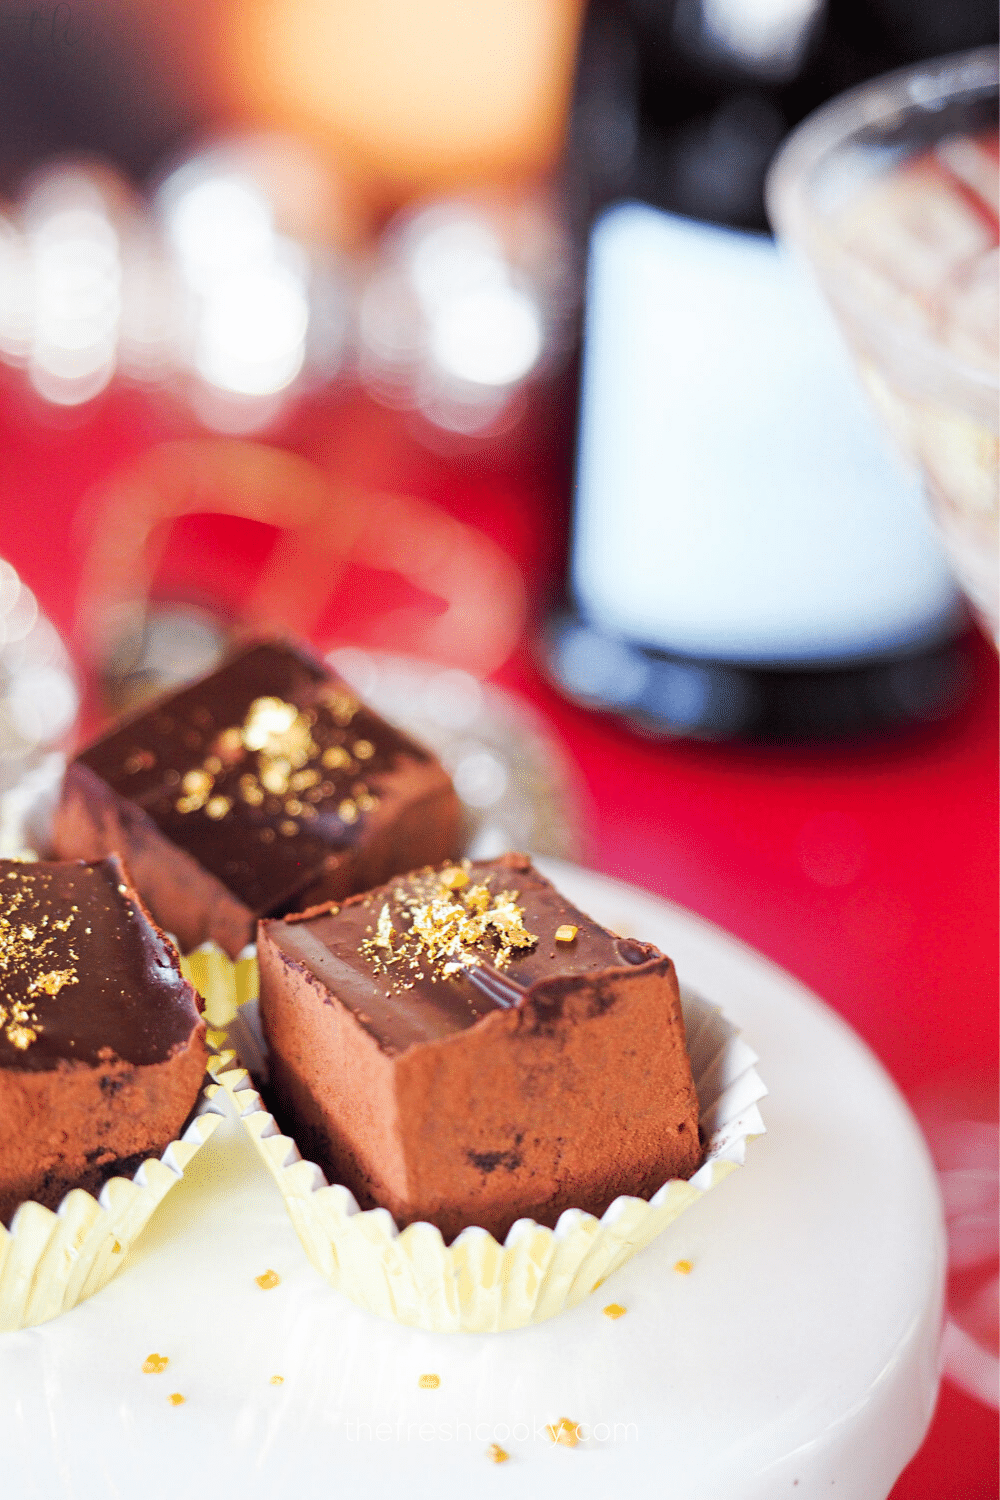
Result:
x=102 y=1044
x=462 y=1046
x=263 y=788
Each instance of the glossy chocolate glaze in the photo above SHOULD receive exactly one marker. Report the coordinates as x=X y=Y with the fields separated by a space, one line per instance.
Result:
x=331 y=947
x=263 y=850
x=78 y=930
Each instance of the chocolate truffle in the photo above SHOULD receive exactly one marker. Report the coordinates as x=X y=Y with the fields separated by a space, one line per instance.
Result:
x=462 y=1046
x=264 y=787
x=102 y=1045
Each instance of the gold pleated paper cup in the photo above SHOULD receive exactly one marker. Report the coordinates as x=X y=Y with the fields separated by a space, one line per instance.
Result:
x=52 y=1259
x=476 y=1285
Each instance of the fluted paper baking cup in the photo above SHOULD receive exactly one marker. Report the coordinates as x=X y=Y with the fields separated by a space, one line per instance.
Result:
x=477 y=1285
x=222 y=984
x=51 y=1260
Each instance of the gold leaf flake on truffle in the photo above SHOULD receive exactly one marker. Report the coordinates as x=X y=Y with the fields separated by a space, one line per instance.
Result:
x=26 y=950
x=384 y=930
x=449 y=932
x=336 y=758
x=52 y=982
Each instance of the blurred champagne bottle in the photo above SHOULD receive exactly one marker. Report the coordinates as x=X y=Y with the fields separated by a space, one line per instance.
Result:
x=746 y=560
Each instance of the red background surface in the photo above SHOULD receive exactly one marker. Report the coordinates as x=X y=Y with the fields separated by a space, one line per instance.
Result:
x=869 y=872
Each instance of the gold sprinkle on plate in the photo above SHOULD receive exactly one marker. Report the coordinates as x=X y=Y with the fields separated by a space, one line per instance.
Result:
x=429 y=1382
x=566 y=933
x=176 y=1399
x=684 y=1267
x=615 y=1310
x=155 y=1364
x=267 y=1280
x=564 y=1432
x=496 y=1454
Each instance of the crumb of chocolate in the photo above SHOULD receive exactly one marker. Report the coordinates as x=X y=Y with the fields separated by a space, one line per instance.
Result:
x=267 y=1280
x=176 y=1399
x=615 y=1310
x=684 y=1267
x=429 y=1382
x=566 y=933
x=496 y=1454
x=155 y=1364
x=564 y=1432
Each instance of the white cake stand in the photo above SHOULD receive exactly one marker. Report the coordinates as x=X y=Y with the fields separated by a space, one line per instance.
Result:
x=798 y=1357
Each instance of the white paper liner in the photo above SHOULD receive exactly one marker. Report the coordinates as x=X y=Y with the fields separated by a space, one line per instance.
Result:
x=50 y=1261
x=476 y=1285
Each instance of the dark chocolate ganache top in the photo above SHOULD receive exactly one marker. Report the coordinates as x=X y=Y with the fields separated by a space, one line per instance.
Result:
x=429 y=954
x=261 y=771
x=84 y=973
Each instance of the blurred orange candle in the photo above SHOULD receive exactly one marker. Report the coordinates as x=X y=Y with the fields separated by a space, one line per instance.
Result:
x=408 y=97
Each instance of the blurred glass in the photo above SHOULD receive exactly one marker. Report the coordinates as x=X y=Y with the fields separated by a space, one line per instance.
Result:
x=223 y=289
x=468 y=301
x=38 y=690
x=518 y=787
x=891 y=192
